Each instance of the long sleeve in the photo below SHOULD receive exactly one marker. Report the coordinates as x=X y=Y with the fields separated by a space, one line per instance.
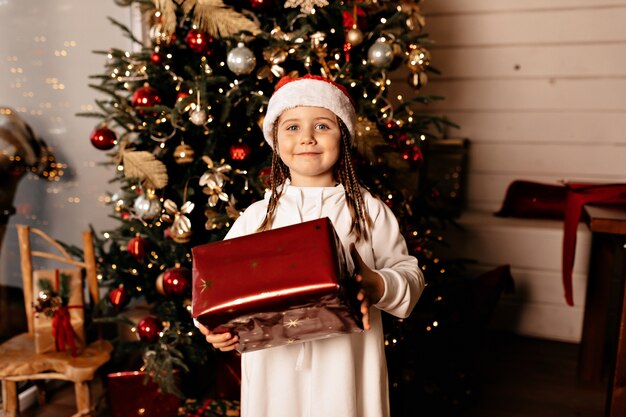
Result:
x=404 y=281
x=248 y=222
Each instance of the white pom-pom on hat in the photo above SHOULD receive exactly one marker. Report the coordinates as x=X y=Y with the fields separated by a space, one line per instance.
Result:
x=312 y=91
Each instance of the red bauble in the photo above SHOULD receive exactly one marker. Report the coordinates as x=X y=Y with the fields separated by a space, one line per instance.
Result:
x=413 y=154
x=239 y=152
x=348 y=20
x=118 y=297
x=149 y=328
x=177 y=281
x=261 y=4
x=182 y=95
x=103 y=138
x=137 y=247
x=146 y=96
x=199 y=42
x=157 y=58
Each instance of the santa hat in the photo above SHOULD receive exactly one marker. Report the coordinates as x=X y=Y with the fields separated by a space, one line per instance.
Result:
x=309 y=90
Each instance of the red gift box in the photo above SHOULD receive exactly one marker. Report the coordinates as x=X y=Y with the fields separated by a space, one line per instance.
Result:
x=277 y=287
x=131 y=396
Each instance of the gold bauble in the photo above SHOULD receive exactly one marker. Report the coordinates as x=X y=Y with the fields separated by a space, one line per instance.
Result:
x=354 y=37
x=418 y=80
x=158 y=284
x=187 y=303
x=415 y=19
x=180 y=236
x=183 y=154
x=419 y=59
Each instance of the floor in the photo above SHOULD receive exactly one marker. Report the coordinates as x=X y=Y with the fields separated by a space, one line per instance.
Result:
x=521 y=377
x=524 y=377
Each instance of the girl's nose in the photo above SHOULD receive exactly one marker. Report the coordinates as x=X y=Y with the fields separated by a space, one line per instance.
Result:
x=307 y=137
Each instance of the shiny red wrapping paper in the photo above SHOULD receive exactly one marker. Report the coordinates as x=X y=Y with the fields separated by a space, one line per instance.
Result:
x=277 y=287
x=130 y=396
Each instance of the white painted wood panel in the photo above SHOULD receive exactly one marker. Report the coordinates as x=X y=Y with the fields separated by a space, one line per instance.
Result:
x=568 y=161
x=537 y=285
x=547 y=287
x=533 y=249
x=499 y=6
x=539 y=89
x=554 y=128
x=539 y=320
x=521 y=243
x=535 y=61
x=530 y=95
x=530 y=27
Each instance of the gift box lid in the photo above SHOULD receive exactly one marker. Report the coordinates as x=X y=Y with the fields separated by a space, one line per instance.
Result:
x=265 y=270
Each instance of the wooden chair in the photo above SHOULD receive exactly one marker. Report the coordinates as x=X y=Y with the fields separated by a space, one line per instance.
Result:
x=18 y=359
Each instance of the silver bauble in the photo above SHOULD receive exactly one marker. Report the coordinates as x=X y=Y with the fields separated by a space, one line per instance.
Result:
x=241 y=60
x=380 y=54
x=198 y=116
x=354 y=37
x=147 y=208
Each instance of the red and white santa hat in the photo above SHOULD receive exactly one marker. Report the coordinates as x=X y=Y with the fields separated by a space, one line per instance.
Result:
x=313 y=91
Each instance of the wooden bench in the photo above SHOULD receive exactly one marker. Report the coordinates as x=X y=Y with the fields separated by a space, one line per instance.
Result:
x=533 y=248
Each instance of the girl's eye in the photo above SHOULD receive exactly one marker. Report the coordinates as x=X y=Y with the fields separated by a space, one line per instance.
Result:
x=292 y=127
x=322 y=126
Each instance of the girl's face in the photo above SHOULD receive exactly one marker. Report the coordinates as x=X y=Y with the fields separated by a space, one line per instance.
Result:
x=309 y=143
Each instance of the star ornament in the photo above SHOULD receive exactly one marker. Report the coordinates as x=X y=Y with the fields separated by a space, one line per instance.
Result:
x=293 y=323
x=205 y=285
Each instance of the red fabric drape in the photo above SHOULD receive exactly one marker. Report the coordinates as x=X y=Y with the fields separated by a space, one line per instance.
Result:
x=577 y=196
x=64 y=335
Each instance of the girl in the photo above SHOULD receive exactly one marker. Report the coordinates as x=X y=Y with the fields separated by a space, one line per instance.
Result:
x=310 y=125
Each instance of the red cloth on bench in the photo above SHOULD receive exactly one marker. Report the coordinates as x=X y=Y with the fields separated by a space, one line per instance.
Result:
x=577 y=196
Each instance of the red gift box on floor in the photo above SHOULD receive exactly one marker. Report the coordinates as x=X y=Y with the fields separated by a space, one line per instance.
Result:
x=129 y=396
x=277 y=287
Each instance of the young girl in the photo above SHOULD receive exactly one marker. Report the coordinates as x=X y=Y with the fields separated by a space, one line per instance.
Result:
x=310 y=126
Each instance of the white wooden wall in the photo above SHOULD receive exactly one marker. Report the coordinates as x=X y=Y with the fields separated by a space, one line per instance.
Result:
x=539 y=88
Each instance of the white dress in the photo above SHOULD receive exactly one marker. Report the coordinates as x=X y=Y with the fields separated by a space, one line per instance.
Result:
x=343 y=376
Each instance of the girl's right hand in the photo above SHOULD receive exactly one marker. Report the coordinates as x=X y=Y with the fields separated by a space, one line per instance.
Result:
x=222 y=341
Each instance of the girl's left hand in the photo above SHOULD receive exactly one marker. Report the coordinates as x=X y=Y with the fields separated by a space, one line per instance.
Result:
x=372 y=285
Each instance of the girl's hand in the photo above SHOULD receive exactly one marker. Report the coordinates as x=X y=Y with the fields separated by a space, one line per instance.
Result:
x=372 y=286
x=222 y=341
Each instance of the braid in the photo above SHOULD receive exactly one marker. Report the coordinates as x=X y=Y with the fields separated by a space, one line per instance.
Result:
x=346 y=175
x=278 y=174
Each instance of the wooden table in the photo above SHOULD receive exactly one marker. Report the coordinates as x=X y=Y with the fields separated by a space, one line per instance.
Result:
x=608 y=226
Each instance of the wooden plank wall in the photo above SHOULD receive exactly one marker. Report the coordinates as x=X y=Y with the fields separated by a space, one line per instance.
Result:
x=539 y=88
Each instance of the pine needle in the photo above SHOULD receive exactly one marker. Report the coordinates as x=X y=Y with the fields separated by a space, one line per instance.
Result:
x=127 y=32
x=146 y=167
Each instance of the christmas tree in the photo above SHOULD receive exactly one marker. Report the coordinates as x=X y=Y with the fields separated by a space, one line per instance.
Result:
x=181 y=121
